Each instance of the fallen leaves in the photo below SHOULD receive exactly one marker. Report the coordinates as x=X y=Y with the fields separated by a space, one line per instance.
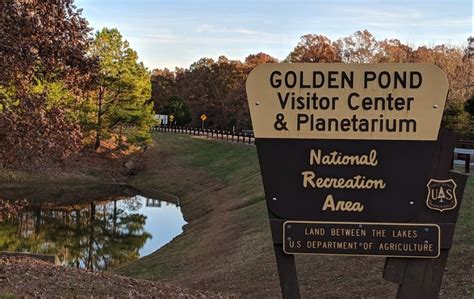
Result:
x=24 y=276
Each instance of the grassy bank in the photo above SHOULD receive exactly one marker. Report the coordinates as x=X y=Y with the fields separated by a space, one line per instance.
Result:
x=227 y=244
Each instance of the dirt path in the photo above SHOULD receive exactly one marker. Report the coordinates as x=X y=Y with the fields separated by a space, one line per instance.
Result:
x=227 y=247
x=27 y=277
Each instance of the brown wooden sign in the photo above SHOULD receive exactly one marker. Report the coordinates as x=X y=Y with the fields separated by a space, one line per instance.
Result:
x=342 y=145
x=345 y=180
x=353 y=238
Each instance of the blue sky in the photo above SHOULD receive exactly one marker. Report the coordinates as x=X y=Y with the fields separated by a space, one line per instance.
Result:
x=177 y=33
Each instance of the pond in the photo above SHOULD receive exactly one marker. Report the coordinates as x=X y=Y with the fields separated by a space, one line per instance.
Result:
x=95 y=228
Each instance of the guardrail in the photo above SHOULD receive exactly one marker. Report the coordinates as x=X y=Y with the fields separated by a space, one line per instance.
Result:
x=229 y=136
x=465 y=144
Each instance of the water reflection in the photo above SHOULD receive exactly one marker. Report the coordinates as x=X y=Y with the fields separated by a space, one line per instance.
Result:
x=95 y=234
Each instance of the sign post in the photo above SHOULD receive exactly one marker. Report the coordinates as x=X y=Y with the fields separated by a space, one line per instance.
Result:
x=203 y=119
x=354 y=163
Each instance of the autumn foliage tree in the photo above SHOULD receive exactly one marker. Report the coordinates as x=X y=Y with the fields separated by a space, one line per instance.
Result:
x=43 y=40
x=362 y=47
x=31 y=133
x=315 y=48
x=163 y=87
x=216 y=88
x=205 y=87
x=42 y=43
x=254 y=60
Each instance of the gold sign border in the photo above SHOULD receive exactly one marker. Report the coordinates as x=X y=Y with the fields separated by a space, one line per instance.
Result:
x=367 y=223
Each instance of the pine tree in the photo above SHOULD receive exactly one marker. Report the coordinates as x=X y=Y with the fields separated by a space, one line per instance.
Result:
x=122 y=91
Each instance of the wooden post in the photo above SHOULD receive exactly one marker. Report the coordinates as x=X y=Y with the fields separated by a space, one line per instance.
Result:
x=421 y=278
x=285 y=262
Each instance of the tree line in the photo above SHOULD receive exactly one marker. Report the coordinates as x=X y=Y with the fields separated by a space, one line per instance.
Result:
x=217 y=87
x=64 y=88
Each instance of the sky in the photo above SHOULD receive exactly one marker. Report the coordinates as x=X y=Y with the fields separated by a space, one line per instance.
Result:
x=176 y=33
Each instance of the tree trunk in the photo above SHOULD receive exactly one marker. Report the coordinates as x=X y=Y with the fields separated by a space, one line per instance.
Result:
x=99 y=119
x=120 y=136
x=97 y=141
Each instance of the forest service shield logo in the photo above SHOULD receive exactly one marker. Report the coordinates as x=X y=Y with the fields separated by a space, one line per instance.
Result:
x=441 y=195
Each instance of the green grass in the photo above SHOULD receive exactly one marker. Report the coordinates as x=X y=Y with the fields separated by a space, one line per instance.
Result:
x=464 y=234
x=229 y=164
x=221 y=160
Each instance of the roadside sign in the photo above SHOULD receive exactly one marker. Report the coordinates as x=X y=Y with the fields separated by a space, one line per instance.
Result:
x=357 y=140
x=171 y=118
x=348 y=145
x=203 y=117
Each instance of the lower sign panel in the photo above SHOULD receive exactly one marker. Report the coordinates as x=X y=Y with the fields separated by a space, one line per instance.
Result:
x=354 y=238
